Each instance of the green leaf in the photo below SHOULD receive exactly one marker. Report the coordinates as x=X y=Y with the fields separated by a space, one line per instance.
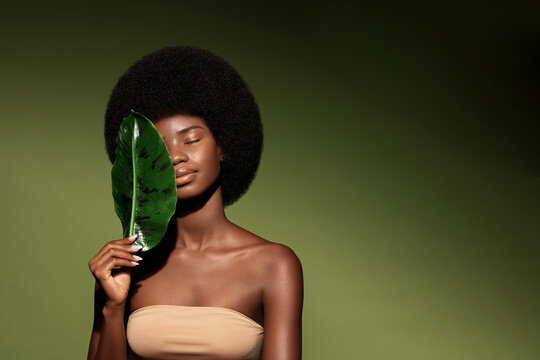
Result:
x=143 y=181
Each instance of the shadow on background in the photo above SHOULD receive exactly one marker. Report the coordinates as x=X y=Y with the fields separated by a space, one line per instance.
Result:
x=401 y=163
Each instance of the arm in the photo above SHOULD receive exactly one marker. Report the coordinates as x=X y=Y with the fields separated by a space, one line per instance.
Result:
x=111 y=268
x=283 y=296
x=108 y=339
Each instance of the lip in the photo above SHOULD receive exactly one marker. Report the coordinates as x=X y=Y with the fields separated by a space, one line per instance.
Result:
x=183 y=176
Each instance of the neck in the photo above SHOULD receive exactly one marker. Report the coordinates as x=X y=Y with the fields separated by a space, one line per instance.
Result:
x=200 y=221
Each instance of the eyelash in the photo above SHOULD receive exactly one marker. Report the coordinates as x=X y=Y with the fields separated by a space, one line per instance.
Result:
x=192 y=141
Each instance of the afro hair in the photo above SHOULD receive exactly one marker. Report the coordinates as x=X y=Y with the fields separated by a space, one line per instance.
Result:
x=192 y=81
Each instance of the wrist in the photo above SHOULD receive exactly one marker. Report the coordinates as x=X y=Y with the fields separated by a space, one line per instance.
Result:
x=113 y=309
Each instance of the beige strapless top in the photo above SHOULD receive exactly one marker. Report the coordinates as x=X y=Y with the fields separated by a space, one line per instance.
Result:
x=193 y=332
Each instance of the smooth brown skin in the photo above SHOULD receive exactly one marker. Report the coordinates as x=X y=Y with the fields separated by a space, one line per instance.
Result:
x=210 y=261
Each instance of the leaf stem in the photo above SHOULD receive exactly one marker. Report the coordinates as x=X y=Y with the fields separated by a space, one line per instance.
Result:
x=134 y=166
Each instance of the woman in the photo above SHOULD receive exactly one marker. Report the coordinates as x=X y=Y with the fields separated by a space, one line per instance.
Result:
x=210 y=289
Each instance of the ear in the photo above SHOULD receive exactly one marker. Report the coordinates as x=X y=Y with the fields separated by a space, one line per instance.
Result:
x=221 y=156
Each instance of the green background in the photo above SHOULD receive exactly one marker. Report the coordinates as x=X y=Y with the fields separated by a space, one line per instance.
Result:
x=401 y=164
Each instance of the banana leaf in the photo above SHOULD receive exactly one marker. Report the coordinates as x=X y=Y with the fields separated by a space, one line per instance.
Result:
x=143 y=181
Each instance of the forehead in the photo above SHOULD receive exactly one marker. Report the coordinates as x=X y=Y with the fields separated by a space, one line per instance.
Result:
x=171 y=125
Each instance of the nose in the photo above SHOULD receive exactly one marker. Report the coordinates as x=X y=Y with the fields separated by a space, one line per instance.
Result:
x=177 y=153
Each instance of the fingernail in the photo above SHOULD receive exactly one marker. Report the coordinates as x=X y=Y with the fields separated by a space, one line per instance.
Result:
x=132 y=237
x=136 y=247
x=137 y=257
x=135 y=263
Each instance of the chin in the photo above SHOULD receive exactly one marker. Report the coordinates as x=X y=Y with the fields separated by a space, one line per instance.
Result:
x=186 y=194
x=196 y=192
x=189 y=191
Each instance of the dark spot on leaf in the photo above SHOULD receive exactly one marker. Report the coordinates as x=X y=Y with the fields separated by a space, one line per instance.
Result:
x=144 y=154
x=145 y=189
x=143 y=218
x=141 y=202
x=159 y=212
x=155 y=161
x=163 y=167
x=166 y=191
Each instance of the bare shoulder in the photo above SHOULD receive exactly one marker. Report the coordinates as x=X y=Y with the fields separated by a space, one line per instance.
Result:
x=276 y=256
x=273 y=260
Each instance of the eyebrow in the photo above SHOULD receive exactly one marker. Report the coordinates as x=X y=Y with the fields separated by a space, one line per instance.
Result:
x=185 y=130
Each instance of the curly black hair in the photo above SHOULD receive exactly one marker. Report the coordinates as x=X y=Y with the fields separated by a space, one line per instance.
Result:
x=192 y=81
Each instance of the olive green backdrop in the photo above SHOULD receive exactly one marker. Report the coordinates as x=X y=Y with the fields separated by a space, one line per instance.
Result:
x=401 y=164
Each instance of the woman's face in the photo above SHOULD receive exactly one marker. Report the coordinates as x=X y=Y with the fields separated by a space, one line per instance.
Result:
x=194 y=153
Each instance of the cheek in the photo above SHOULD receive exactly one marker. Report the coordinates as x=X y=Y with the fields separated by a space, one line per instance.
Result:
x=207 y=156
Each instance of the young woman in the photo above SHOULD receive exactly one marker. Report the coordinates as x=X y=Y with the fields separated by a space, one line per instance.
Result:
x=210 y=289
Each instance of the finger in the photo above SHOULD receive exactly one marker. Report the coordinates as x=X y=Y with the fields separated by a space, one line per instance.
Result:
x=131 y=248
x=119 y=252
x=114 y=244
x=118 y=267
x=106 y=265
x=100 y=267
x=119 y=263
x=127 y=240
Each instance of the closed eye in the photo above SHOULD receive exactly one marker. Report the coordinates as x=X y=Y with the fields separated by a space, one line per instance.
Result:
x=192 y=141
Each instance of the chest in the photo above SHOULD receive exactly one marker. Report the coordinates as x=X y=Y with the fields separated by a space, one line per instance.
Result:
x=228 y=281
